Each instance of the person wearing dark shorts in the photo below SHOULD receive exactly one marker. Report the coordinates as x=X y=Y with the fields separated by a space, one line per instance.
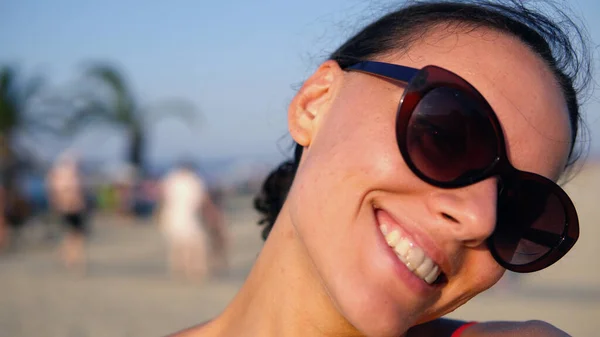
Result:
x=67 y=198
x=75 y=222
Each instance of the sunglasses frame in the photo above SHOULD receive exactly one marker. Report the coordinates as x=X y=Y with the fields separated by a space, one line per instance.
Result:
x=418 y=85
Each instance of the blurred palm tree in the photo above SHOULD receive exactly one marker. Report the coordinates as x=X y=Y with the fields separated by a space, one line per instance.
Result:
x=108 y=98
x=18 y=97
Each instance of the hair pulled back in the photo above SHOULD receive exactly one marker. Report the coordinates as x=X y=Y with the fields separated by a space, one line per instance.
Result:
x=556 y=39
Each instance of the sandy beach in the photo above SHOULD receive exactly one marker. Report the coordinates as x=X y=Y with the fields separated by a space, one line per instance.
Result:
x=127 y=292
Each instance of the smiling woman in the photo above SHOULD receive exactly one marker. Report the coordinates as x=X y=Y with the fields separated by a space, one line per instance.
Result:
x=428 y=147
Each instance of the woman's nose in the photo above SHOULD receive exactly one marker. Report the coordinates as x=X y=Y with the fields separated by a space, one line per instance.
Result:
x=468 y=212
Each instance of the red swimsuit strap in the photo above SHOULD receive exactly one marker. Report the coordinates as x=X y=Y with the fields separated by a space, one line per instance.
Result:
x=458 y=332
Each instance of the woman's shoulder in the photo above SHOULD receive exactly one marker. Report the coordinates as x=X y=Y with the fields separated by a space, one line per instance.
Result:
x=444 y=327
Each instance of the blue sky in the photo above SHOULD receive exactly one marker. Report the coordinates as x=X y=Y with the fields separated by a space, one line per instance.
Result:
x=238 y=61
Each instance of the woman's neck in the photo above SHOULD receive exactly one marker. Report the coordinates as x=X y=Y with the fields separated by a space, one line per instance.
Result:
x=282 y=296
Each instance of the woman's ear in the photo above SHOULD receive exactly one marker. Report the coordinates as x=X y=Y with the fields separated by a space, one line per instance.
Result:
x=312 y=100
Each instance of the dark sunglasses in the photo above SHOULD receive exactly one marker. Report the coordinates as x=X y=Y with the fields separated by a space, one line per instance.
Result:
x=450 y=137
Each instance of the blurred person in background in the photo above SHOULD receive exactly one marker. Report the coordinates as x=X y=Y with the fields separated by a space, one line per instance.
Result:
x=15 y=206
x=125 y=185
x=3 y=229
x=66 y=196
x=145 y=196
x=192 y=224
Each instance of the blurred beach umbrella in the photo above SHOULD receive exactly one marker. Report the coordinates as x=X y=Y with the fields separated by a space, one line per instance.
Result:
x=106 y=97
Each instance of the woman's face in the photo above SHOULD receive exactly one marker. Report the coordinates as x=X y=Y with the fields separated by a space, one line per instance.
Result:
x=352 y=180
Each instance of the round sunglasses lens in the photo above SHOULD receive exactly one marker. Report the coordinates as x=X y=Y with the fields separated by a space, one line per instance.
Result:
x=450 y=136
x=531 y=222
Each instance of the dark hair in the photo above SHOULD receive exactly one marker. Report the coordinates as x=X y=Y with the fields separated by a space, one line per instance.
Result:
x=557 y=40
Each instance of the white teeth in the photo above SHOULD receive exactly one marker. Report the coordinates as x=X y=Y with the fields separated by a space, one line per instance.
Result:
x=392 y=238
x=433 y=275
x=425 y=268
x=415 y=258
x=411 y=255
x=384 y=229
x=402 y=247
